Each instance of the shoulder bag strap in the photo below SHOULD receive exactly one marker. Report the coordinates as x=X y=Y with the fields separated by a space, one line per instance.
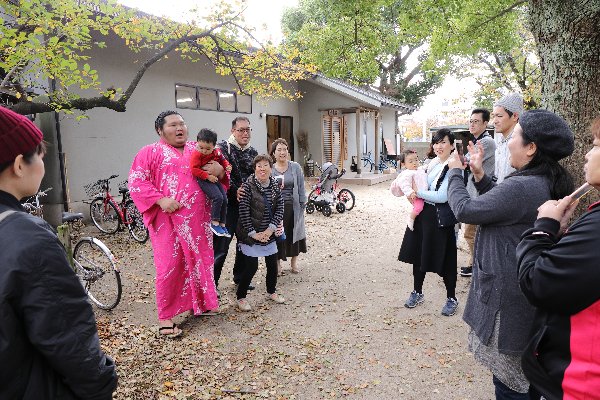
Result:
x=6 y=214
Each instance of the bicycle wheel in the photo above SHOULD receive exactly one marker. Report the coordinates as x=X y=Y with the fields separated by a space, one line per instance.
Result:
x=104 y=216
x=347 y=197
x=96 y=269
x=135 y=222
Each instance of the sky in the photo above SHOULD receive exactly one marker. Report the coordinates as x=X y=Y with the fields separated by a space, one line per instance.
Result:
x=257 y=13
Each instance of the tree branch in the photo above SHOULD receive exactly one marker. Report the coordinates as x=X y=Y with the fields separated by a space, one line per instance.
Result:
x=158 y=56
x=412 y=74
x=501 y=13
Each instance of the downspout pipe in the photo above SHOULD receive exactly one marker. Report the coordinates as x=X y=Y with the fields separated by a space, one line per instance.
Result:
x=61 y=155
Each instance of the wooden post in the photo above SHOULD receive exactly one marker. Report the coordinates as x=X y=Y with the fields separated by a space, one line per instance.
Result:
x=64 y=236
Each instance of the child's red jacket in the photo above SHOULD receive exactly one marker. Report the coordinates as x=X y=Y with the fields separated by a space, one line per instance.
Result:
x=199 y=160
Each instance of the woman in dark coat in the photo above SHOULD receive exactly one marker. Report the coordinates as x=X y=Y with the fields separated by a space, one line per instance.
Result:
x=496 y=310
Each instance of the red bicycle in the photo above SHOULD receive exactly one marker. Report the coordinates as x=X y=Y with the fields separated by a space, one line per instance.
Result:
x=108 y=214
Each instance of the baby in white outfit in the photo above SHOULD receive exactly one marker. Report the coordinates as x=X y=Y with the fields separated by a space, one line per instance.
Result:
x=411 y=179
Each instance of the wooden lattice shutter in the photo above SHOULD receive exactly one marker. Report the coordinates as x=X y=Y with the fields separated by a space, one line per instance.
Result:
x=333 y=140
x=327 y=145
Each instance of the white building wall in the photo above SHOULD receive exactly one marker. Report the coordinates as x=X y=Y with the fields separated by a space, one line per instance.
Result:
x=106 y=143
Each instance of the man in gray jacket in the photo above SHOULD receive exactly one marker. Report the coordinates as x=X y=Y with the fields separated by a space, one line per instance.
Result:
x=480 y=117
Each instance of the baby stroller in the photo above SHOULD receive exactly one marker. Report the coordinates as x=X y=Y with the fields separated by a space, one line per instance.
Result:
x=324 y=196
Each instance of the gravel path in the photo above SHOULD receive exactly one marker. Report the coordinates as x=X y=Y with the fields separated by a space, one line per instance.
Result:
x=343 y=332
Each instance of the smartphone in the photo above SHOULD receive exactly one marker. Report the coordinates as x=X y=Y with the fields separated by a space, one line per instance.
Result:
x=458 y=144
x=581 y=191
x=280 y=179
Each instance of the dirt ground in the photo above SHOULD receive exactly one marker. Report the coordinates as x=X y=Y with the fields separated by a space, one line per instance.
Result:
x=343 y=332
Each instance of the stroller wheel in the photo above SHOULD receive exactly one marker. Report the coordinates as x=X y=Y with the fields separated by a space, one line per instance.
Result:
x=326 y=211
x=347 y=197
x=319 y=208
x=340 y=207
x=310 y=207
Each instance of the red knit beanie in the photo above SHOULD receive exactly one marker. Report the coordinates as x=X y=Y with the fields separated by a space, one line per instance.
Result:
x=18 y=135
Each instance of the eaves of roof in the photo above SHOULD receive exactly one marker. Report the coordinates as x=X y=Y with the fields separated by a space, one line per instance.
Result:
x=368 y=96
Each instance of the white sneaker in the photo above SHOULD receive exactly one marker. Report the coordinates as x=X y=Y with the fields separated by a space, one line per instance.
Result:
x=276 y=298
x=243 y=305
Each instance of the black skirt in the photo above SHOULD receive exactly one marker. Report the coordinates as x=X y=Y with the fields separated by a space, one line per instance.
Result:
x=287 y=248
x=430 y=248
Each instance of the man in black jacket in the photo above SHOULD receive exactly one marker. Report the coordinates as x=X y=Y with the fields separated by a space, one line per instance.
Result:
x=240 y=154
x=49 y=343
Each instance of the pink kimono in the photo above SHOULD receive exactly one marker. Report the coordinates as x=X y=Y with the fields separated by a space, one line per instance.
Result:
x=182 y=241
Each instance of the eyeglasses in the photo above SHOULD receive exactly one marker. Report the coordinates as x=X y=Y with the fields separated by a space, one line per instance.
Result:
x=244 y=130
x=474 y=121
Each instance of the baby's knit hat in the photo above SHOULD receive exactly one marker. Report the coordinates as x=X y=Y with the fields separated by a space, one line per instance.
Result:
x=512 y=102
x=549 y=132
x=18 y=135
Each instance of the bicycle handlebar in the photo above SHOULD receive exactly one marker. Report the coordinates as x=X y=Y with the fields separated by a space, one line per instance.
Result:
x=105 y=180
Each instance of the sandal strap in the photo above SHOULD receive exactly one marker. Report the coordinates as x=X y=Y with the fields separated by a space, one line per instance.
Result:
x=164 y=328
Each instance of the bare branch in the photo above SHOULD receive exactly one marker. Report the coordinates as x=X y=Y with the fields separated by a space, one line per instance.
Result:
x=501 y=13
x=408 y=53
x=412 y=74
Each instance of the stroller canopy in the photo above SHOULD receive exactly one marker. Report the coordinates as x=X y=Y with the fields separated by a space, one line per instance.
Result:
x=328 y=176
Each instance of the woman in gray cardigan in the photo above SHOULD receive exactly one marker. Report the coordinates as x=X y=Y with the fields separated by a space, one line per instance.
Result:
x=498 y=314
x=294 y=196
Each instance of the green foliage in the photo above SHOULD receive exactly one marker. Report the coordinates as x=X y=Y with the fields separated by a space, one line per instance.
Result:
x=363 y=41
x=42 y=40
x=512 y=70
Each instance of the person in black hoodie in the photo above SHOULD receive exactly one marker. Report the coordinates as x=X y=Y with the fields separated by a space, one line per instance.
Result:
x=559 y=273
x=49 y=343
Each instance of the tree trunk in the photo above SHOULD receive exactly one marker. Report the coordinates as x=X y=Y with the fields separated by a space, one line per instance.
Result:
x=567 y=33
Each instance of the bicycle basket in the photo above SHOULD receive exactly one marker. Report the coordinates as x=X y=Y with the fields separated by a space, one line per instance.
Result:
x=93 y=189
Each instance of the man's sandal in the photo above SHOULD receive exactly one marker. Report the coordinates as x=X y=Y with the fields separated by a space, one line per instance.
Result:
x=176 y=333
x=210 y=313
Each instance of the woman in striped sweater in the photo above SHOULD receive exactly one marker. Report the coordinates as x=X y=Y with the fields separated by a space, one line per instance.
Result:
x=261 y=211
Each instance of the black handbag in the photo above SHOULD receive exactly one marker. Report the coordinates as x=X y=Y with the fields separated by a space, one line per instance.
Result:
x=445 y=216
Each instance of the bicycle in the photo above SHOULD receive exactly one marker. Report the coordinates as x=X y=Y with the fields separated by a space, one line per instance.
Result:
x=108 y=215
x=32 y=204
x=93 y=262
x=368 y=160
x=343 y=200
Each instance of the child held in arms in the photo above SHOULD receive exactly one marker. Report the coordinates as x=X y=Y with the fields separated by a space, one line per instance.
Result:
x=206 y=152
x=411 y=179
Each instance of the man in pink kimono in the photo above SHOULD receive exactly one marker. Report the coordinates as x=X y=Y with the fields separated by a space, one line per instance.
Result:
x=177 y=214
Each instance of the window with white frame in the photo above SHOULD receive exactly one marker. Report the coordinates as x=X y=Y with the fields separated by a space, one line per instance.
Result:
x=201 y=98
